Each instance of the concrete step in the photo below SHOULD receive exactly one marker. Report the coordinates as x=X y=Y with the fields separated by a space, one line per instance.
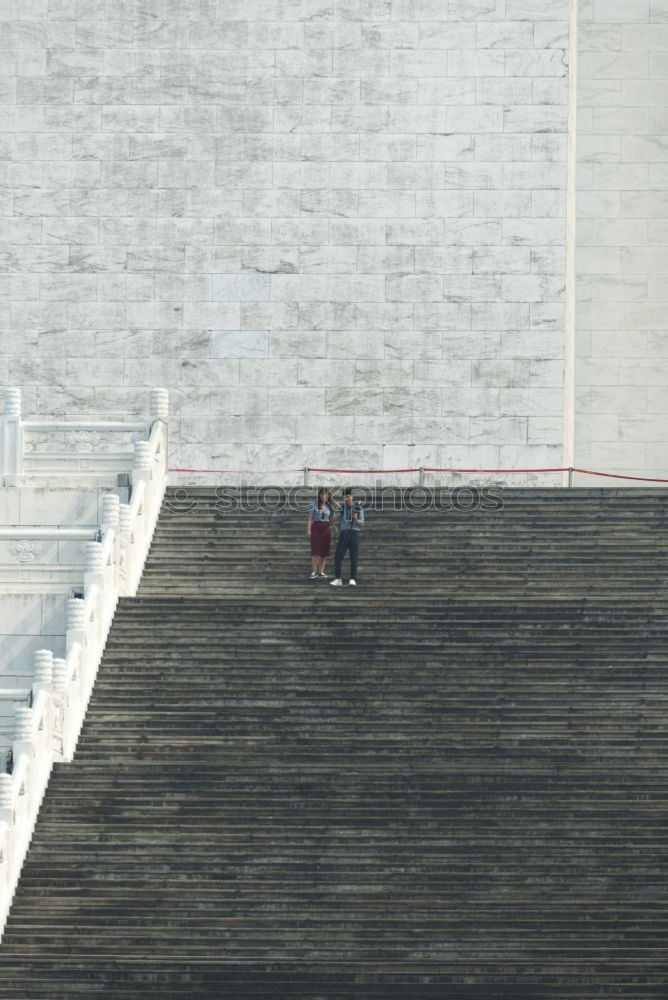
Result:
x=447 y=783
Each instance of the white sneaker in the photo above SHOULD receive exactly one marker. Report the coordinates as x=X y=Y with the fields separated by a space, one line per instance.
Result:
x=323 y=576
x=336 y=583
x=352 y=583
x=313 y=575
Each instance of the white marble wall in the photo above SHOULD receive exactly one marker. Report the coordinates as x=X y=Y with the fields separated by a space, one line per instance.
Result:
x=622 y=246
x=334 y=229
x=45 y=507
x=28 y=622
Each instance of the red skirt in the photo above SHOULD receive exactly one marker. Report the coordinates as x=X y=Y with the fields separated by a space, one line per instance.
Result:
x=321 y=539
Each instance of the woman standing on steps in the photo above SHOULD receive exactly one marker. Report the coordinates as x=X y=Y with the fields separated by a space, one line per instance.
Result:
x=319 y=530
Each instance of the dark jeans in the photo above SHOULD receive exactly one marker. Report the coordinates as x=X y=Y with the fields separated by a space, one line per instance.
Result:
x=348 y=540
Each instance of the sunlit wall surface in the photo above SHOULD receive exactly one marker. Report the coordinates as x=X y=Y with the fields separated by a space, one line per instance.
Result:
x=334 y=229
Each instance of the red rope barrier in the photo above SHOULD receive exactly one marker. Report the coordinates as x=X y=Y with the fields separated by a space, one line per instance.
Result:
x=362 y=472
x=238 y=472
x=431 y=469
x=614 y=475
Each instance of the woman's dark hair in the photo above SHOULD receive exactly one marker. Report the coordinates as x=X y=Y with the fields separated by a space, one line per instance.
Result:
x=323 y=499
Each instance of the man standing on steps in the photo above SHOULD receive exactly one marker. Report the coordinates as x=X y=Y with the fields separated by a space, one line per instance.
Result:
x=350 y=531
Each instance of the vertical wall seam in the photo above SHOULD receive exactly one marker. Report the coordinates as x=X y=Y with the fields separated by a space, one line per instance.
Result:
x=571 y=287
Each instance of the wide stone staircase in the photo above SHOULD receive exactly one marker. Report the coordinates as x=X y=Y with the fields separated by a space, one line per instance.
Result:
x=449 y=782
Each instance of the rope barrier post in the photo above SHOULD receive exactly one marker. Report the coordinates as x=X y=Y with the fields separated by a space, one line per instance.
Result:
x=421 y=476
x=570 y=476
x=306 y=475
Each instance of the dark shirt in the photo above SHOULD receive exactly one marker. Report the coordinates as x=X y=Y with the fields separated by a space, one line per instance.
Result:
x=347 y=518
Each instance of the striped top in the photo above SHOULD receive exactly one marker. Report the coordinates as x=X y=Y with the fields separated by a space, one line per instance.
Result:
x=318 y=514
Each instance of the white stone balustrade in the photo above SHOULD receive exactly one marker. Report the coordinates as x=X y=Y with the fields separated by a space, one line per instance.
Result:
x=69 y=447
x=49 y=716
x=43 y=672
x=11 y=437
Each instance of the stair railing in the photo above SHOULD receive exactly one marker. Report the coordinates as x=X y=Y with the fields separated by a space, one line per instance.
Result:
x=81 y=451
x=47 y=729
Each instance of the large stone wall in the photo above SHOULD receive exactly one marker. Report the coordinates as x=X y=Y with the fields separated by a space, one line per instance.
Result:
x=334 y=229
x=622 y=246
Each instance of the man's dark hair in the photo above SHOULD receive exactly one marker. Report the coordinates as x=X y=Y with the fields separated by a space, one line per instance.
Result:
x=348 y=492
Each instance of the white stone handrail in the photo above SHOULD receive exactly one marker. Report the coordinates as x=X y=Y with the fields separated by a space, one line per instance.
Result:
x=114 y=426
x=48 y=730
x=59 y=534
x=21 y=792
x=13 y=428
